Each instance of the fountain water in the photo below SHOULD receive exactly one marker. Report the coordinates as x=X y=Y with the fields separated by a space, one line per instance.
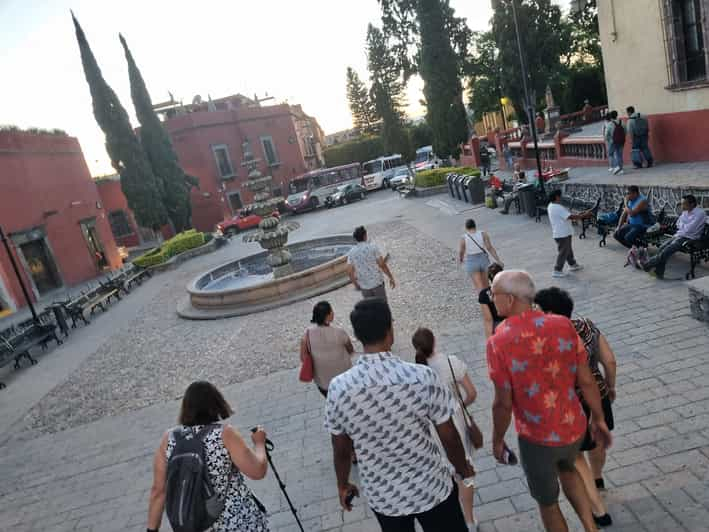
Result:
x=272 y=234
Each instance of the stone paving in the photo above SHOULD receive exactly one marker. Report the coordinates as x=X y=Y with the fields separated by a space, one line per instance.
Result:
x=81 y=458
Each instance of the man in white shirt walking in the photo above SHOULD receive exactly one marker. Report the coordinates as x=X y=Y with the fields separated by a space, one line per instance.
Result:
x=366 y=266
x=560 y=219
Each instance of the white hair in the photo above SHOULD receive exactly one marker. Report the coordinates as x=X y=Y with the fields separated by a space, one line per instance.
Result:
x=517 y=283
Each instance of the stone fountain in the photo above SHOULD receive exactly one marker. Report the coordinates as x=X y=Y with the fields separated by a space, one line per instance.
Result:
x=272 y=234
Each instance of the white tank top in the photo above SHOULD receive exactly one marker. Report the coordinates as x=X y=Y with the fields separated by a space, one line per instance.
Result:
x=470 y=247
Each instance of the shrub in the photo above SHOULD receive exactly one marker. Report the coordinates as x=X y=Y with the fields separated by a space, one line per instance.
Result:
x=437 y=176
x=178 y=244
x=354 y=151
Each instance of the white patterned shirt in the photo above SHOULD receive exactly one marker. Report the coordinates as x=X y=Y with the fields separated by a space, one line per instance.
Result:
x=386 y=407
x=363 y=257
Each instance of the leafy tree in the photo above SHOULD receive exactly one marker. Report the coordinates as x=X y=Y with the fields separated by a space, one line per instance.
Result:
x=483 y=74
x=440 y=43
x=354 y=151
x=363 y=110
x=585 y=35
x=546 y=38
x=387 y=92
x=176 y=185
x=421 y=134
x=141 y=188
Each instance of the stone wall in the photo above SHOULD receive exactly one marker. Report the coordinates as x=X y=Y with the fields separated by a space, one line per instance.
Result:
x=665 y=196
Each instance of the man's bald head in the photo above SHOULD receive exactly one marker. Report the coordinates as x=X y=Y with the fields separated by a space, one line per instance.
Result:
x=517 y=283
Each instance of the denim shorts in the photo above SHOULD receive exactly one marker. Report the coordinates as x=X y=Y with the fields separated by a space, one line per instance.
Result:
x=476 y=263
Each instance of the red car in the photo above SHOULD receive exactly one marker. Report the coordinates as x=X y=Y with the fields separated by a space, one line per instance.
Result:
x=238 y=223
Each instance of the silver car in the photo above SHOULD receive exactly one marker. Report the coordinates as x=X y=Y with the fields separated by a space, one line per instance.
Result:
x=402 y=176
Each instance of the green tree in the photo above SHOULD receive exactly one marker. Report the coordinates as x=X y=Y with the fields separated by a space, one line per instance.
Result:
x=364 y=113
x=440 y=42
x=141 y=188
x=483 y=74
x=387 y=92
x=176 y=185
x=421 y=135
x=546 y=39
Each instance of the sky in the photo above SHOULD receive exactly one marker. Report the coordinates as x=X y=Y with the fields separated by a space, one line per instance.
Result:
x=293 y=50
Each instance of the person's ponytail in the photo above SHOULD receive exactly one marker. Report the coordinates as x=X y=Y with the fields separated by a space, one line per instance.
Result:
x=423 y=341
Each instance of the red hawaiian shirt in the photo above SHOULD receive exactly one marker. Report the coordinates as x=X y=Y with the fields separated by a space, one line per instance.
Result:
x=536 y=355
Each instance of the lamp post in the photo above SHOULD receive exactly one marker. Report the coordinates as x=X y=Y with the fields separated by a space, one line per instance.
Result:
x=19 y=276
x=527 y=103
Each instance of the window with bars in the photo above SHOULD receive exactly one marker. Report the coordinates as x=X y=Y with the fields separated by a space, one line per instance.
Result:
x=221 y=156
x=686 y=40
x=269 y=150
x=120 y=226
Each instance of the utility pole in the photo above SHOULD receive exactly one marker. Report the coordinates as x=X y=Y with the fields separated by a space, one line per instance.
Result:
x=529 y=107
x=19 y=276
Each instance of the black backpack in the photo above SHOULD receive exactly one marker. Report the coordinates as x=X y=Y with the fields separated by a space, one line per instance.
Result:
x=191 y=504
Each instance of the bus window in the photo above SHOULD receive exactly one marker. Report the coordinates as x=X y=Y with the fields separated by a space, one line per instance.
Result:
x=372 y=167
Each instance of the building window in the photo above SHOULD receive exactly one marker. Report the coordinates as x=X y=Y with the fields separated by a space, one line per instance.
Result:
x=686 y=42
x=221 y=156
x=235 y=202
x=269 y=151
x=120 y=226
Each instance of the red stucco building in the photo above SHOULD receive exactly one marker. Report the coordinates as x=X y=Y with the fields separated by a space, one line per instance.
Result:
x=51 y=211
x=209 y=137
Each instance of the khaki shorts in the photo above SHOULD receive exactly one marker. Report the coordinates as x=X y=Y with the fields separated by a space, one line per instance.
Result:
x=542 y=465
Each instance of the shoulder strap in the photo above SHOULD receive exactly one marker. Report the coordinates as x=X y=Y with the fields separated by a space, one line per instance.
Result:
x=307 y=342
x=457 y=391
x=476 y=243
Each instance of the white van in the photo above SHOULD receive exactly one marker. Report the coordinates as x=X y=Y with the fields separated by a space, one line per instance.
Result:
x=426 y=159
x=378 y=172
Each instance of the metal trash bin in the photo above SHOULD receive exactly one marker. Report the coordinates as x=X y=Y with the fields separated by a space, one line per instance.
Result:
x=464 y=188
x=456 y=185
x=476 y=189
x=449 y=180
x=528 y=199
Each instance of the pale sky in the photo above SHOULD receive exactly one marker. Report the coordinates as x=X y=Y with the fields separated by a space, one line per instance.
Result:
x=294 y=50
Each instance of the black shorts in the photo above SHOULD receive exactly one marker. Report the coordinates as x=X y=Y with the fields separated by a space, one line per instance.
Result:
x=588 y=443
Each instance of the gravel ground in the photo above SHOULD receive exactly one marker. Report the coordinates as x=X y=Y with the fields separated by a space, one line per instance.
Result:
x=161 y=354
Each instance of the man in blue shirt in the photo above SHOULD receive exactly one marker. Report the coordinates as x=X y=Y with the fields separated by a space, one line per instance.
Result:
x=690 y=226
x=636 y=218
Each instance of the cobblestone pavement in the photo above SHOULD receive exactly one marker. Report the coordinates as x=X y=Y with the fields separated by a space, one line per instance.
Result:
x=94 y=473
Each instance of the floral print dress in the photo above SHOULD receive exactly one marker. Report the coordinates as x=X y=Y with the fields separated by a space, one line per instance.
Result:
x=241 y=512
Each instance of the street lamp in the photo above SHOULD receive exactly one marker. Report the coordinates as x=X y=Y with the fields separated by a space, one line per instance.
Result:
x=19 y=276
x=527 y=102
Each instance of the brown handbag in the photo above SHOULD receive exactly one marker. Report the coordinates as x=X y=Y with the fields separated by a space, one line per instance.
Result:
x=472 y=429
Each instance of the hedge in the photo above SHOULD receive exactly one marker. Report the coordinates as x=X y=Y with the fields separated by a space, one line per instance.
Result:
x=354 y=151
x=178 y=244
x=437 y=176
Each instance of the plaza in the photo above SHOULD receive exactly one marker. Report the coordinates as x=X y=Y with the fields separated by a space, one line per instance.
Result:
x=78 y=431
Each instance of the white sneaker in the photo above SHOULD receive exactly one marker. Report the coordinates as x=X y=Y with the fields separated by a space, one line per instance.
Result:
x=559 y=274
x=618 y=171
x=611 y=169
x=576 y=267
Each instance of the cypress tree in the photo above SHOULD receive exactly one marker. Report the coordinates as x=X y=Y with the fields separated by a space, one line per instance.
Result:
x=176 y=185
x=387 y=92
x=141 y=188
x=364 y=114
x=438 y=66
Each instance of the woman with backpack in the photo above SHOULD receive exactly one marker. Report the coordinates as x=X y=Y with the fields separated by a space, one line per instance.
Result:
x=474 y=254
x=201 y=448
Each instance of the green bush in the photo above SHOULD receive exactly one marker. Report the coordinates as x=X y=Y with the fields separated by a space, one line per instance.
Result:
x=178 y=244
x=437 y=176
x=354 y=151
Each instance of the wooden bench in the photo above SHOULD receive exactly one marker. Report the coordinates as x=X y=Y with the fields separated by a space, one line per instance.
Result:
x=16 y=345
x=697 y=250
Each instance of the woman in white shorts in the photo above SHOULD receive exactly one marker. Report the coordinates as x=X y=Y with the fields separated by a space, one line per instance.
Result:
x=474 y=254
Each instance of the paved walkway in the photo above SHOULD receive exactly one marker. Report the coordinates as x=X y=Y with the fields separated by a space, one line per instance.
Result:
x=96 y=475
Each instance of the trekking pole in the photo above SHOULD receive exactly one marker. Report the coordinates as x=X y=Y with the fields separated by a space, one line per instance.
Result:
x=269 y=447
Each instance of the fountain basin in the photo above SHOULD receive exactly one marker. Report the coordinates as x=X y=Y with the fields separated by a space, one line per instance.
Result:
x=247 y=285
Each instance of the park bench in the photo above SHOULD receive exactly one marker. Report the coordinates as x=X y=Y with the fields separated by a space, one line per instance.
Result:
x=97 y=298
x=697 y=250
x=136 y=276
x=15 y=343
x=575 y=205
x=605 y=228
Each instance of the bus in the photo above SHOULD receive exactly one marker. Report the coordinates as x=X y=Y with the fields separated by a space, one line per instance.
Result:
x=378 y=172
x=309 y=191
x=426 y=159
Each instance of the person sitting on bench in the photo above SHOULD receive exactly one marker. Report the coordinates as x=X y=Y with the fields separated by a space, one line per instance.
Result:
x=636 y=218
x=518 y=179
x=690 y=226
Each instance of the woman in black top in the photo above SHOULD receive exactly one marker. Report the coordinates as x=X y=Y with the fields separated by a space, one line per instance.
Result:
x=490 y=317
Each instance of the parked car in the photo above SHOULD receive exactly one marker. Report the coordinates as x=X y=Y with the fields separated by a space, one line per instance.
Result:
x=240 y=222
x=345 y=194
x=402 y=176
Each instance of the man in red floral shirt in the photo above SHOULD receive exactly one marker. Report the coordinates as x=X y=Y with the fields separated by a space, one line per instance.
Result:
x=536 y=361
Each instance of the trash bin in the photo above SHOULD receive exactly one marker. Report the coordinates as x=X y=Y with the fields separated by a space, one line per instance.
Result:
x=476 y=189
x=464 y=188
x=456 y=185
x=528 y=199
x=449 y=180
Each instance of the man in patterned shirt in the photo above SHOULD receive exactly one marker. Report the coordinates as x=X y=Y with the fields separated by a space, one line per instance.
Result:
x=386 y=409
x=366 y=265
x=536 y=361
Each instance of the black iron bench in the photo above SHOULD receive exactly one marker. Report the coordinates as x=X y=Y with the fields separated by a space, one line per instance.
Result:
x=16 y=345
x=136 y=277
x=574 y=205
x=605 y=228
x=697 y=250
x=97 y=298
